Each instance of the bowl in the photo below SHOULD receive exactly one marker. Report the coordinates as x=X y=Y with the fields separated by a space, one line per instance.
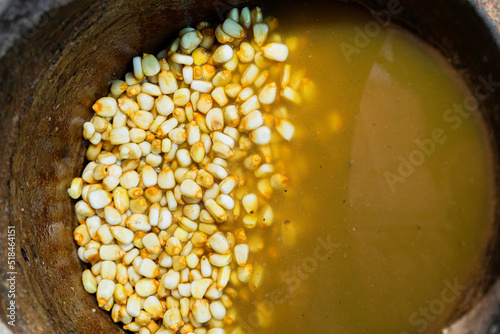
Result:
x=57 y=58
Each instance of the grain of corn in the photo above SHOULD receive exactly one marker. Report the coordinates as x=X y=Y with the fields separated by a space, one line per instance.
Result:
x=185 y=143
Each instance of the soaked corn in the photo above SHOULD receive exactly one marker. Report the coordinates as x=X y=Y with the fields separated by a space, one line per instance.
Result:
x=179 y=149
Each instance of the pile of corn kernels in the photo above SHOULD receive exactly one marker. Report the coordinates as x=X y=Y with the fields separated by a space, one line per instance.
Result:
x=180 y=169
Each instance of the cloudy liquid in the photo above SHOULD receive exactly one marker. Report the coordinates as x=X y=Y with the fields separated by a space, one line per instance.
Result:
x=386 y=221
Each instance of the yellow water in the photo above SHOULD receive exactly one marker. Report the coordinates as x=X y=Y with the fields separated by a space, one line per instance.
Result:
x=390 y=232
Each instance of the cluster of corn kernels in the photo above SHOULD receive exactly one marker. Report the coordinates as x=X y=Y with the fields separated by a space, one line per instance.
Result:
x=180 y=169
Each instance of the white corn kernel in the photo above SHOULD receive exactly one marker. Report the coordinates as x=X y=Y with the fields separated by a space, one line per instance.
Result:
x=173 y=246
x=221 y=36
x=150 y=65
x=187 y=73
x=130 y=256
x=264 y=170
x=246 y=52
x=151 y=243
x=146 y=102
x=291 y=95
x=166 y=179
x=213 y=293
x=143 y=119
x=261 y=136
x=146 y=287
x=165 y=260
x=171 y=279
x=220 y=260
x=105 y=291
x=250 y=221
x=223 y=54
x=219 y=96
x=206 y=267
x=120 y=199
x=275 y=51
x=148 y=268
x=181 y=97
x=252 y=121
x=164 y=105
x=231 y=116
x=153 y=306
x=256 y=15
x=257 y=276
x=265 y=189
x=241 y=254
x=172 y=319
x=99 y=198
x=166 y=127
x=285 y=129
x=222 y=78
x=260 y=31
x=245 y=273
x=201 y=311
x=138 y=73
x=166 y=145
x=233 y=28
x=119 y=136
x=134 y=305
x=182 y=59
x=216 y=210
x=88 y=130
x=222 y=150
x=219 y=243
x=215 y=120
x=89 y=281
x=192 y=261
x=191 y=189
x=226 y=201
x=193 y=133
x=249 y=75
x=245 y=18
x=184 y=307
x=190 y=41
x=188 y=226
x=250 y=105
x=250 y=203
x=111 y=252
x=183 y=157
x=217 y=171
x=110 y=183
x=149 y=176
x=217 y=310
x=118 y=87
x=227 y=185
x=268 y=94
x=126 y=105
x=129 y=179
x=105 y=107
x=205 y=103
x=121 y=273
x=108 y=270
x=184 y=289
x=75 y=190
x=223 y=277
x=138 y=222
x=122 y=234
x=167 y=82
x=233 y=14
x=202 y=86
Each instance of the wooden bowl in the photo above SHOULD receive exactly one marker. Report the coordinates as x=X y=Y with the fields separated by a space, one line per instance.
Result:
x=56 y=68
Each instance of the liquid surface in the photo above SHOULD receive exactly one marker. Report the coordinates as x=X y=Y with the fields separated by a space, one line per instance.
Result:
x=386 y=219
